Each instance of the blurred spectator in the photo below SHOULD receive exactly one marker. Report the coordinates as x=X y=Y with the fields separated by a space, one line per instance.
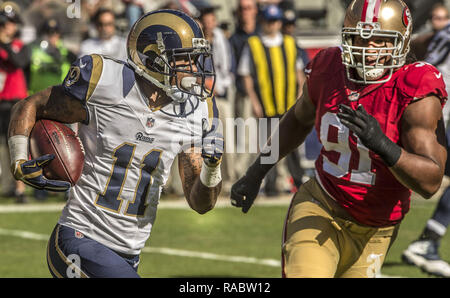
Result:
x=438 y=18
x=222 y=55
x=246 y=26
x=246 y=14
x=271 y=68
x=133 y=11
x=423 y=252
x=439 y=48
x=91 y=7
x=50 y=59
x=39 y=11
x=312 y=145
x=14 y=57
x=289 y=18
x=106 y=42
x=225 y=27
x=50 y=62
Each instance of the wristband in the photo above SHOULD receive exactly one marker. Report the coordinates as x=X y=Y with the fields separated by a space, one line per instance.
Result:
x=259 y=170
x=18 y=148
x=388 y=151
x=210 y=176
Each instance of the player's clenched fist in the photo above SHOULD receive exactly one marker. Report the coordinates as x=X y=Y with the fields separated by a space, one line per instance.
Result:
x=244 y=192
x=30 y=172
x=368 y=130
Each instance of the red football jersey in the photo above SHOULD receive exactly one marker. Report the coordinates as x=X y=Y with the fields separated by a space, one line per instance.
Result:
x=352 y=174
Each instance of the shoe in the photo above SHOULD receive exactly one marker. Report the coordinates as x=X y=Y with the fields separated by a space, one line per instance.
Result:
x=424 y=254
x=40 y=195
x=21 y=198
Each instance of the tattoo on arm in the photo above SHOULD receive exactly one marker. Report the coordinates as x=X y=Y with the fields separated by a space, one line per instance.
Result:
x=190 y=166
x=199 y=197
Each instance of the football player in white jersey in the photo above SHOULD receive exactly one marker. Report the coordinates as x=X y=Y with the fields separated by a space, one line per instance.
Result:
x=138 y=115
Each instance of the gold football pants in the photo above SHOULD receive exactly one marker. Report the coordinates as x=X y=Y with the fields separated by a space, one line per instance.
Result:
x=321 y=240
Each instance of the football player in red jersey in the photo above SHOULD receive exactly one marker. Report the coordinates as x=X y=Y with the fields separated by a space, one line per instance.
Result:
x=379 y=119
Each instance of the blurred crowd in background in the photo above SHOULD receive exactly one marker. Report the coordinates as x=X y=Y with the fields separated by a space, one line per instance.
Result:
x=39 y=39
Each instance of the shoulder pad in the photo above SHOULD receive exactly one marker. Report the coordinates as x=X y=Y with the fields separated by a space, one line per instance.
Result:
x=83 y=77
x=326 y=61
x=421 y=79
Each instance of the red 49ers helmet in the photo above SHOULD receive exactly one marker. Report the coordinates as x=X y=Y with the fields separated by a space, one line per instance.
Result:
x=371 y=19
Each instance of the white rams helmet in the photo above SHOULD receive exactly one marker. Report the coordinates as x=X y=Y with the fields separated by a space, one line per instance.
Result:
x=161 y=38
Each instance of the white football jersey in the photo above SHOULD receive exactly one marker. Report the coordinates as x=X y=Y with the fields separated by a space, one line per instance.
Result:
x=129 y=150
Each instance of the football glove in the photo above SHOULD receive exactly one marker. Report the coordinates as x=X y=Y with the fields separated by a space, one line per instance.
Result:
x=212 y=148
x=30 y=172
x=368 y=130
x=245 y=191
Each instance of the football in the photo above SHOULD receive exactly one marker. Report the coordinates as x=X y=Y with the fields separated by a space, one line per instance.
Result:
x=51 y=137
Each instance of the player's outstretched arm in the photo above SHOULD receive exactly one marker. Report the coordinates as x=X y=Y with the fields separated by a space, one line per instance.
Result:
x=292 y=131
x=51 y=103
x=422 y=162
x=200 y=197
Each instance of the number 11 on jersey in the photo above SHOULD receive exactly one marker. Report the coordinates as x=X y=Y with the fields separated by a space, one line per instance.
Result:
x=110 y=198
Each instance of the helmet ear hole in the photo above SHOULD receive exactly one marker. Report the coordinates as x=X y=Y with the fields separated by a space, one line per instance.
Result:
x=154 y=62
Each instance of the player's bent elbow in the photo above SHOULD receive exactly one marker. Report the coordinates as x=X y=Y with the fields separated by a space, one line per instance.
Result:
x=429 y=191
x=202 y=209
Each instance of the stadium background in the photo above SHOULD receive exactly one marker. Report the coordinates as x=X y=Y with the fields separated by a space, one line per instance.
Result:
x=224 y=242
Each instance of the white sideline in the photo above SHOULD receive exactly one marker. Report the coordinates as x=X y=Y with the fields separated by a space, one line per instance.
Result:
x=211 y=256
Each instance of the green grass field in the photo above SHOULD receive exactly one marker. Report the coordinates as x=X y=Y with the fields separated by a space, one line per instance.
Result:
x=185 y=244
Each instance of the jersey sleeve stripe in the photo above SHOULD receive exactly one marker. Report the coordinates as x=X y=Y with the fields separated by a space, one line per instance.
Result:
x=97 y=68
x=128 y=80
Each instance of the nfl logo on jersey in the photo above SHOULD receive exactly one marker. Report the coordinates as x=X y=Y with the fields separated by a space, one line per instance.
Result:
x=78 y=235
x=150 y=122
x=354 y=96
